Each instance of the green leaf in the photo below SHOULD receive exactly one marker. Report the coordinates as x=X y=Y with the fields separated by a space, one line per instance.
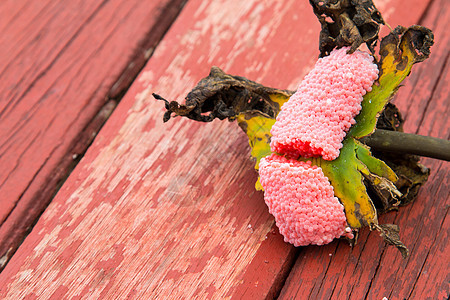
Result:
x=375 y=166
x=355 y=163
x=344 y=174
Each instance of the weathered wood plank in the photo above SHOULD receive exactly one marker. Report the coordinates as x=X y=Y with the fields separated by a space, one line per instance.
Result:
x=60 y=62
x=159 y=210
x=372 y=270
x=170 y=209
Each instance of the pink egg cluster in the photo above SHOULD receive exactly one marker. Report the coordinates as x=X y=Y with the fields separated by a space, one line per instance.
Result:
x=302 y=201
x=316 y=118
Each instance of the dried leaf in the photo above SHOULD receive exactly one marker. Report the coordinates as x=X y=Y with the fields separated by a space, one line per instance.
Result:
x=347 y=23
x=390 y=118
x=390 y=234
x=387 y=194
x=412 y=174
x=222 y=96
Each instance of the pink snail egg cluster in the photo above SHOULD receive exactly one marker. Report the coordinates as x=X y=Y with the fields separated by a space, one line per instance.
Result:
x=316 y=118
x=302 y=201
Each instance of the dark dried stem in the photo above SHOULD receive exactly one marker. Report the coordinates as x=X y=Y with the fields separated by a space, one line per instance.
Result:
x=400 y=142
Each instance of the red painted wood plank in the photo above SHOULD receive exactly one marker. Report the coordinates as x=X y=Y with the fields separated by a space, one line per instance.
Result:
x=59 y=61
x=374 y=271
x=156 y=209
x=169 y=210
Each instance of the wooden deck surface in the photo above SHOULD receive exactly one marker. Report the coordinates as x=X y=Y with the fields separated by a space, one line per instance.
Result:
x=63 y=66
x=157 y=210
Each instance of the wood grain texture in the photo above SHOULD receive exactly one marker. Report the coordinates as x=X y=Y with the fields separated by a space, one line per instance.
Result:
x=372 y=270
x=58 y=62
x=170 y=210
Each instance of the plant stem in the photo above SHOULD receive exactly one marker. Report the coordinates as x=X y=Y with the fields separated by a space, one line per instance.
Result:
x=400 y=142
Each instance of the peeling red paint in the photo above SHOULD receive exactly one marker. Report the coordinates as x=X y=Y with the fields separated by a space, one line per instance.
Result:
x=169 y=210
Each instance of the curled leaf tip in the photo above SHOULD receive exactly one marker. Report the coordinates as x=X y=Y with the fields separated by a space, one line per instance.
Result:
x=173 y=107
x=390 y=234
x=407 y=46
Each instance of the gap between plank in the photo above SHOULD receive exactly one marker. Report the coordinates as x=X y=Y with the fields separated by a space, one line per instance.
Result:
x=81 y=144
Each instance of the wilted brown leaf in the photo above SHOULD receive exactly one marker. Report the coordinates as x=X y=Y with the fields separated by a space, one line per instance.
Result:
x=347 y=23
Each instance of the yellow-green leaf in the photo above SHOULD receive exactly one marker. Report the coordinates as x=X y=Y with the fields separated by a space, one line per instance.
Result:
x=399 y=51
x=257 y=127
